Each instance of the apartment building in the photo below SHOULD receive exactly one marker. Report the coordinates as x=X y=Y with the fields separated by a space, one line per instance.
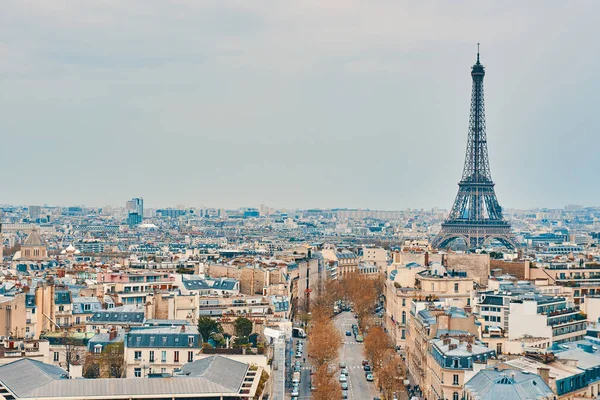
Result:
x=451 y=362
x=133 y=288
x=546 y=317
x=150 y=350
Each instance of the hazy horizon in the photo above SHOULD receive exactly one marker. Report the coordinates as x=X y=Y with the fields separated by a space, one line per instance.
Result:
x=294 y=105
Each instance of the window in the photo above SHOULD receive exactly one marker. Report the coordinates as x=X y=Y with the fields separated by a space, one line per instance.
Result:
x=77 y=320
x=137 y=355
x=432 y=287
x=190 y=341
x=137 y=372
x=190 y=356
x=455 y=380
x=403 y=317
x=27 y=329
x=456 y=363
x=455 y=396
x=176 y=356
x=56 y=356
x=163 y=356
x=151 y=355
x=163 y=370
x=87 y=307
x=403 y=302
x=403 y=335
x=61 y=308
x=456 y=288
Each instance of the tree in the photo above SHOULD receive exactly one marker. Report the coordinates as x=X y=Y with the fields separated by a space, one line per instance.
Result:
x=323 y=342
x=242 y=327
x=207 y=326
x=391 y=374
x=377 y=343
x=113 y=357
x=327 y=387
x=110 y=363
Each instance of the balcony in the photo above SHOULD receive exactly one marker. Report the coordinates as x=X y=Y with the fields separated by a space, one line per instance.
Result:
x=568 y=320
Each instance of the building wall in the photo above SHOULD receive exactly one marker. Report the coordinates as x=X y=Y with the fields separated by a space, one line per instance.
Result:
x=44 y=302
x=591 y=307
x=477 y=266
x=444 y=287
x=13 y=316
x=524 y=320
x=377 y=256
x=519 y=269
x=157 y=366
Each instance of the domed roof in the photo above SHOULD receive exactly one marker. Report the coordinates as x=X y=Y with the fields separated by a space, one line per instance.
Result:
x=71 y=249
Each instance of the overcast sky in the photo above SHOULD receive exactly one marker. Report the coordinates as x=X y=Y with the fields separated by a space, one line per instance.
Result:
x=289 y=103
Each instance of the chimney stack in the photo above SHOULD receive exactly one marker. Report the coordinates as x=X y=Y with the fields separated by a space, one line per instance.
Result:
x=544 y=372
x=112 y=334
x=182 y=328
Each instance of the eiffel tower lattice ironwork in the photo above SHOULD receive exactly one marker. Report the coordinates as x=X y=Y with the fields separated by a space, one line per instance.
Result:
x=476 y=217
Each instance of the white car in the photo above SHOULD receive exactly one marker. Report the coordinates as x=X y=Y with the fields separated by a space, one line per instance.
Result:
x=343 y=378
x=295 y=392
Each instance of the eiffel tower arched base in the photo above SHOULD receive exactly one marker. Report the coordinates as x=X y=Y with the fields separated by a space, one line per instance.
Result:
x=475 y=235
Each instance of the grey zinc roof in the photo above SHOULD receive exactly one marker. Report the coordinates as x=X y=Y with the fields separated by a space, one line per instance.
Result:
x=224 y=371
x=126 y=387
x=490 y=384
x=24 y=375
x=33 y=379
x=148 y=337
x=123 y=315
x=584 y=359
x=224 y=283
x=195 y=284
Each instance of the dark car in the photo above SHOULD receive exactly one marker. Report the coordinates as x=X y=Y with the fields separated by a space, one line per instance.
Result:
x=367 y=368
x=348 y=333
x=365 y=362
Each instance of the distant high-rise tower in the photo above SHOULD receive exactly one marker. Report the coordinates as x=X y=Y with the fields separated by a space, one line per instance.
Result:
x=135 y=211
x=476 y=217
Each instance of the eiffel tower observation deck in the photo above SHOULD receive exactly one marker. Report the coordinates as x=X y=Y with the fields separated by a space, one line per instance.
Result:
x=476 y=217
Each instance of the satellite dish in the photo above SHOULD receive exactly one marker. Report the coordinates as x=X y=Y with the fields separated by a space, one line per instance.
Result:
x=22 y=346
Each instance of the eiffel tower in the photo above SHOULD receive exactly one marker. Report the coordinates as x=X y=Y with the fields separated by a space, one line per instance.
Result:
x=476 y=217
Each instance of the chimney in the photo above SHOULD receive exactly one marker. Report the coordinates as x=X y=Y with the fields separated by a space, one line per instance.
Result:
x=112 y=334
x=426 y=258
x=469 y=348
x=545 y=374
x=182 y=328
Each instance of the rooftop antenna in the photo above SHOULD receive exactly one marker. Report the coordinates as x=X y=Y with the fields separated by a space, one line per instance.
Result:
x=477 y=53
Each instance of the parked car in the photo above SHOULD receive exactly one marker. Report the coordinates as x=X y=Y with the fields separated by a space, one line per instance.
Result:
x=344 y=386
x=367 y=368
x=295 y=392
x=365 y=362
x=343 y=378
x=344 y=394
x=348 y=333
x=344 y=371
x=342 y=364
x=370 y=377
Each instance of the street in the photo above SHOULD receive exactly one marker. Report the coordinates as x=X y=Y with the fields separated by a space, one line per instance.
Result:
x=352 y=354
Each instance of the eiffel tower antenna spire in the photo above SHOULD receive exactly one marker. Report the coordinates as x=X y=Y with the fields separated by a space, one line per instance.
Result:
x=476 y=217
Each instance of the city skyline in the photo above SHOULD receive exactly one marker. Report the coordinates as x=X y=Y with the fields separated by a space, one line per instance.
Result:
x=350 y=105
